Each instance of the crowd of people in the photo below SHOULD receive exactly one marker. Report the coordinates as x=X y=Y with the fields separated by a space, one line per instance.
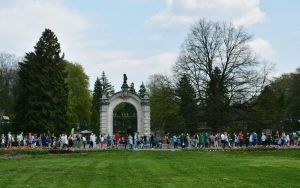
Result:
x=240 y=139
x=136 y=141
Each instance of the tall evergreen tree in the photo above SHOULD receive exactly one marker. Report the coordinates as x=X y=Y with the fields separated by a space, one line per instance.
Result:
x=142 y=90
x=102 y=87
x=96 y=105
x=217 y=102
x=107 y=88
x=42 y=93
x=188 y=104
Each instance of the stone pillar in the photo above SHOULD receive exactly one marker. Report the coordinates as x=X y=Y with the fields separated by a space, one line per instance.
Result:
x=147 y=128
x=104 y=115
x=146 y=116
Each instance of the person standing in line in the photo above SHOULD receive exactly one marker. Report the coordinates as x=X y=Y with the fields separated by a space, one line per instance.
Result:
x=251 y=139
x=226 y=141
x=109 y=141
x=10 y=139
x=91 y=140
x=223 y=140
x=263 y=139
x=70 y=140
x=167 y=139
x=287 y=139
x=241 y=138
x=185 y=141
x=124 y=141
x=130 y=141
x=83 y=141
x=20 y=139
x=196 y=140
x=101 y=141
x=44 y=140
x=117 y=135
x=254 y=138
x=182 y=140
x=206 y=141
x=247 y=139
x=175 y=142
x=2 y=141
x=236 y=140
x=216 y=140
x=136 y=140
x=77 y=139
x=151 y=141
x=66 y=141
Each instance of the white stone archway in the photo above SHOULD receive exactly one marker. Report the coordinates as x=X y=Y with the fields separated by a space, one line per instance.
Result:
x=141 y=105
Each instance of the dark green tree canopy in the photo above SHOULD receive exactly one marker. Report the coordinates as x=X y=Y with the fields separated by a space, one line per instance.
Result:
x=102 y=87
x=43 y=95
x=107 y=88
x=96 y=105
x=216 y=102
x=188 y=104
x=142 y=90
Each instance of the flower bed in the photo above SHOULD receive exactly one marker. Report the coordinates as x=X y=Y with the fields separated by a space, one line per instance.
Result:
x=45 y=150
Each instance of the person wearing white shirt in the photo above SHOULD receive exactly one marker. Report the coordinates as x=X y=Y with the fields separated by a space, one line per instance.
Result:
x=263 y=139
x=84 y=141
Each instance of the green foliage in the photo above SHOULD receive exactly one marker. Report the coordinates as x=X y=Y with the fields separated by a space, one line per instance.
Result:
x=188 y=104
x=96 y=105
x=101 y=87
x=217 y=102
x=278 y=105
x=79 y=100
x=8 y=83
x=142 y=90
x=107 y=88
x=42 y=92
x=165 y=111
x=294 y=96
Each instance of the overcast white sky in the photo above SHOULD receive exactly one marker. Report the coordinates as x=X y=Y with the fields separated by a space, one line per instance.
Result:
x=143 y=37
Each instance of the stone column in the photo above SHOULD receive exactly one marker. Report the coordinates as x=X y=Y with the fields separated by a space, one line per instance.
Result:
x=146 y=114
x=104 y=115
x=147 y=127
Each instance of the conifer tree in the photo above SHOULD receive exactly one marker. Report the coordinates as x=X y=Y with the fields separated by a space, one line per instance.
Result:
x=107 y=88
x=96 y=105
x=42 y=93
x=102 y=87
x=142 y=90
x=217 y=102
x=187 y=104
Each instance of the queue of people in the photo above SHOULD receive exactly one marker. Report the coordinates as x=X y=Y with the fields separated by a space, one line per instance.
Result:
x=168 y=141
x=240 y=139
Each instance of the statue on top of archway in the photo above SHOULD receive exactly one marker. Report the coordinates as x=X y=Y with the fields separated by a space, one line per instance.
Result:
x=124 y=79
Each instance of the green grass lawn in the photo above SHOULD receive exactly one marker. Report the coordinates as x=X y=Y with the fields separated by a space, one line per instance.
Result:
x=153 y=169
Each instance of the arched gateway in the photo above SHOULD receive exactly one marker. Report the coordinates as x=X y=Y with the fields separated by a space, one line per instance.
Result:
x=141 y=104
